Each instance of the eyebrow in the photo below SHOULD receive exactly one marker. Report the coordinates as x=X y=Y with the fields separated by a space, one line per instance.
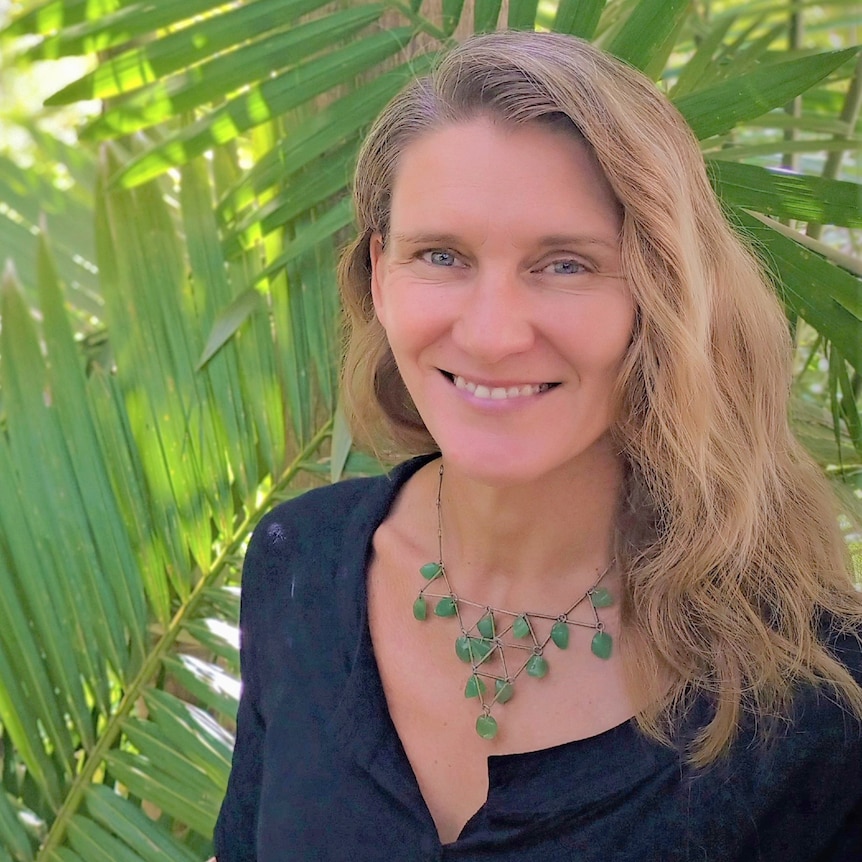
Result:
x=549 y=241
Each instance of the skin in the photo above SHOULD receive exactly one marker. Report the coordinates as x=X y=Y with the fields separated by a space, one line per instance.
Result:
x=492 y=275
x=502 y=268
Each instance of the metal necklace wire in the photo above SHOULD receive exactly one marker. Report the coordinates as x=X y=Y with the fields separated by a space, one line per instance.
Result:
x=498 y=630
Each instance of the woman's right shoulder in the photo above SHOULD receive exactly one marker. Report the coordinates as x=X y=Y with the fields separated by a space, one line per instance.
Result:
x=316 y=512
x=319 y=537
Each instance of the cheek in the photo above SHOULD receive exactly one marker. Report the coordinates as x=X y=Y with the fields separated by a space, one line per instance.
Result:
x=603 y=336
x=411 y=318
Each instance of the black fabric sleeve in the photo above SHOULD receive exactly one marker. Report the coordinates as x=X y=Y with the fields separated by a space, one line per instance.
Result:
x=847 y=845
x=236 y=829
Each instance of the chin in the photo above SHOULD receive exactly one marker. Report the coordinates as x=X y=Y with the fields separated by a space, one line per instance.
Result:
x=505 y=464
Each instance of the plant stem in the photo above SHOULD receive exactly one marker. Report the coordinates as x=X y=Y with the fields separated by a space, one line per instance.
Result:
x=420 y=22
x=151 y=664
x=849 y=115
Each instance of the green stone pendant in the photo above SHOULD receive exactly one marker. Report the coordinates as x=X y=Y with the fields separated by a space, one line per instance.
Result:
x=486 y=726
x=602 y=645
x=505 y=691
x=537 y=666
x=420 y=608
x=475 y=686
x=560 y=635
x=472 y=649
x=446 y=607
x=521 y=627
x=486 y=626
x=430 y=571
x=481 y=647
x=601 y=598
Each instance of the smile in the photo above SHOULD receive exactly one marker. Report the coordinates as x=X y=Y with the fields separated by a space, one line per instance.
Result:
x=499 y=393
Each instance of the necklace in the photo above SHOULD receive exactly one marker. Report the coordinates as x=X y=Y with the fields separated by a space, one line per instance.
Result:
x=498 y=630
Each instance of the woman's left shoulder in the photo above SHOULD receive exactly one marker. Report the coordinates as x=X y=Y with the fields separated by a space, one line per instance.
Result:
x=844 y=642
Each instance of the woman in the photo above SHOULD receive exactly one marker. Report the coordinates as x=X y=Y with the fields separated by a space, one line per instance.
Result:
x=606 y=613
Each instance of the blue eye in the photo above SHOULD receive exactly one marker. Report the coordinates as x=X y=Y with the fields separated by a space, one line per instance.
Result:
x=565 y=267
x=438 y=257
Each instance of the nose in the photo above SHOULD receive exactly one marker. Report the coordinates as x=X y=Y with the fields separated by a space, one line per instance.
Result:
x=494 y=319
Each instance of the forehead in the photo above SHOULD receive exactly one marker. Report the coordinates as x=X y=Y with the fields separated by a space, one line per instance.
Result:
x=530 y=174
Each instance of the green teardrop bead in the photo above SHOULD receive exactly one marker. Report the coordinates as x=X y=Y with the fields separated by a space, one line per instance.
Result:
x=475 y=686
x=481 y=647
x=537 y=666
x=486 y=626
x=446 y=607
x=602 y=644
x=486 y=726
x=521 y=628
x=462 y=649
x=420 y=608
x=601 y=598
x=430 y=571
x=560 y=635
x=505 y=691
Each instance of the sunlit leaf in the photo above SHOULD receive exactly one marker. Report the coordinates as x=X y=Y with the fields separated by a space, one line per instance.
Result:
x=719 y=107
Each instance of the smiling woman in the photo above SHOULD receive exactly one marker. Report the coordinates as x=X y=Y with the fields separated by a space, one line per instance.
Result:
x=604 y=612
x=502 y=299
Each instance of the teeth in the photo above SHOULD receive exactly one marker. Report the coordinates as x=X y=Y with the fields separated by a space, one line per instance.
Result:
x=499 y=393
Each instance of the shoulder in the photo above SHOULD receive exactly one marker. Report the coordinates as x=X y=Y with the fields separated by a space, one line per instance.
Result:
x=320 y=533
x=315 y=513
x=307 y=534
x=845 y=644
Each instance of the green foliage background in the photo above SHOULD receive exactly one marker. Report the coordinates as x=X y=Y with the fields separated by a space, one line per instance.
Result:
x=169 y=335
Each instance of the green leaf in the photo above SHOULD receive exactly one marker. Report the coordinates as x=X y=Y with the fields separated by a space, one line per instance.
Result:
x=248 y=65
x=826 y=296
x=578 y=17
x=304 y=192
x=111 y=551
x=846 y=402
x=648 y=31
x=718 y=108
x=787 y=195
x=141 y=834
x=13 y=836
x=486 y=13
x=701 y=63
x=522 y=14
x=96 y=844
x=275 y=96
x=229 y=321
x=208 y=683
x=322 y=229
x=83 y=27
x=182 y=48
x=452 y=10
x=179 y=791
x=776 y=146
x=342 y=440
x=321 y=132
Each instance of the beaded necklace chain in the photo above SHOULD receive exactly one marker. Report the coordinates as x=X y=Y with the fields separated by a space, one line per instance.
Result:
x=498 y=630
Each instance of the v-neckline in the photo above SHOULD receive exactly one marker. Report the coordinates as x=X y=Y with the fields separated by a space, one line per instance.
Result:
x=375 y=744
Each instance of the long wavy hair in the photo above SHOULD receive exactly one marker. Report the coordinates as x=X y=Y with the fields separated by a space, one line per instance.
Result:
x=733 y=562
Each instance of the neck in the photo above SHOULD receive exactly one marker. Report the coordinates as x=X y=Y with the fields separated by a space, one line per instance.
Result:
x=548 y=538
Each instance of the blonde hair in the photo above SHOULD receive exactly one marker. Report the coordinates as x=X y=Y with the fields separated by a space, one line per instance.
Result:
x=733 y=562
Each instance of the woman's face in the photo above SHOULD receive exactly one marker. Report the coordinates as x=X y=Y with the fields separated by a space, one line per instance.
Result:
x=500 y=290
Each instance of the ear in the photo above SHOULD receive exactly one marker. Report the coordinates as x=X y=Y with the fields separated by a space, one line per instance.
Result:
x=376 y=254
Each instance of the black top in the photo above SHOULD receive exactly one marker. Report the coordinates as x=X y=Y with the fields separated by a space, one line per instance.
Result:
x=319 y=773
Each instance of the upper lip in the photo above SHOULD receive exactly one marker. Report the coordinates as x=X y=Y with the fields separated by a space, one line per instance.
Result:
x=496 y=384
